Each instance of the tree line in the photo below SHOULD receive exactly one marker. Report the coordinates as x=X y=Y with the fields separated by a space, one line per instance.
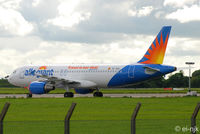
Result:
x=5 y=83
x=177 y=80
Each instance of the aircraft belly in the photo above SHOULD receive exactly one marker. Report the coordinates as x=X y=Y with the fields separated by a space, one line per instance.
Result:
x=100 y=79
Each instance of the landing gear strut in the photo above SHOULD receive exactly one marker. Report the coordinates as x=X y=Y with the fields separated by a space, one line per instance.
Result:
x=98 y=94
x=29 y=95
x=68 y=94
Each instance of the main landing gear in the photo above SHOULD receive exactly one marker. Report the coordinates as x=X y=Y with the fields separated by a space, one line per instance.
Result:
x=68 y=94
x=98 y=93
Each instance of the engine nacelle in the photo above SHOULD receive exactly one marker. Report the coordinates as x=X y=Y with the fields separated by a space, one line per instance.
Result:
x=84 y=91
x=40 y=87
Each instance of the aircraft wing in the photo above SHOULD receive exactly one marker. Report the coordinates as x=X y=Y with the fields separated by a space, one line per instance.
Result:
x=57 y=80
x=62 y=82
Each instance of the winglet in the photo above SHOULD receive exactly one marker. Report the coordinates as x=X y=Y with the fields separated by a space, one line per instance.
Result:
x=156 y=52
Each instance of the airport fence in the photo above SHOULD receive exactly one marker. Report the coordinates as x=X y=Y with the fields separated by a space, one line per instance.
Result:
x=139 y=126
x=144 y=126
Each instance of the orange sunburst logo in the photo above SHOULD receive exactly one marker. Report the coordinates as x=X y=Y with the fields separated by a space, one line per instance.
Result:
x=156 y=51
x=42 y=67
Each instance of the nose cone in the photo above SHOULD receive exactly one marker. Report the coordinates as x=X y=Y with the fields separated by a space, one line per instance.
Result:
x=11 y=80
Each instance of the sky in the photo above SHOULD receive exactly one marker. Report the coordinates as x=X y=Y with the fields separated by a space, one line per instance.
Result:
x=95 y=31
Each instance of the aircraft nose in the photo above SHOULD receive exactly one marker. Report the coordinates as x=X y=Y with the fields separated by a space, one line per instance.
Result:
x=10 y=79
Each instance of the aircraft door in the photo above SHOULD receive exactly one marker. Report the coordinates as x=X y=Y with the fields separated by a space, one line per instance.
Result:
x=131 y=71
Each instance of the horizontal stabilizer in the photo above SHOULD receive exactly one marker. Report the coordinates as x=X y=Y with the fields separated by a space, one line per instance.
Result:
x=149 y=70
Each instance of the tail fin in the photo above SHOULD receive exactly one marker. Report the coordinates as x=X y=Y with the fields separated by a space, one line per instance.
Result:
x=156 y=52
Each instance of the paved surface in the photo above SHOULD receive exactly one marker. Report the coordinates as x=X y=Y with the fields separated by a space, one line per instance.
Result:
x=91 y=95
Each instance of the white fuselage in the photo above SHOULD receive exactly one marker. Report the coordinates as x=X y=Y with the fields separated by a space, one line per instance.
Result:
x=99 y=74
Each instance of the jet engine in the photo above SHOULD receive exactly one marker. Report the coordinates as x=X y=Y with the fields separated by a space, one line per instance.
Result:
x=84 y=91
x=40 y=87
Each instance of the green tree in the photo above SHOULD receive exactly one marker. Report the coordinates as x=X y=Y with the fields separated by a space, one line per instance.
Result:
x=177 y=80
x=196 y=73
x=154 y=83
x=5 y=83
x=195 y=81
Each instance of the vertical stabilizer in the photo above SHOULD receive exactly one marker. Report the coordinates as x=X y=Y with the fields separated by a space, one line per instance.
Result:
x=156 y=52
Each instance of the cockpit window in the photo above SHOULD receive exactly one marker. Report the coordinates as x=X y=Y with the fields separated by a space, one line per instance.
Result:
x=14 y=72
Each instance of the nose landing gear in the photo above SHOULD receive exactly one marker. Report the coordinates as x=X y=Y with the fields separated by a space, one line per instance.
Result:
x=98 y=94
x=29 y=95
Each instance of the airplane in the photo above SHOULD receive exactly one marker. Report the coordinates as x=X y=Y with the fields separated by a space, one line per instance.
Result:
x=89 y=78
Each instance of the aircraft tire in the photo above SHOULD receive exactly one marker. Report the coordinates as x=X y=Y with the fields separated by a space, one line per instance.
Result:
x=29 y=95
x=98 y=94
x=68 y=94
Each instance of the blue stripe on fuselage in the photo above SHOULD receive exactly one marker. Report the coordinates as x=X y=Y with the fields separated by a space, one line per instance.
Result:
x=131 y=74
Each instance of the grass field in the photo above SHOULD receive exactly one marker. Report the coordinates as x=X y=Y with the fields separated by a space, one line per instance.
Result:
x=108 y=91
x=99 y=115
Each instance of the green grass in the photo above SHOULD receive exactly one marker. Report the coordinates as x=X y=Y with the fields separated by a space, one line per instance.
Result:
x=108 y=91
x=98 y=115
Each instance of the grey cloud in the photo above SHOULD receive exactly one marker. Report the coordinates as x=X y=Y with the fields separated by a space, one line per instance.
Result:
x=184 y=47
x=107 y=24
x=108 y=21
x=44 y=10
x=180 y=52
x=55 y=34
x=19 y=44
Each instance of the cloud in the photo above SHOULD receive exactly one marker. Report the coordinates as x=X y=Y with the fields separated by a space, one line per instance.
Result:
x=186 y=14
x=35 y=3
x=10 y=4
x=181 y=50
x=178 y=3
x=106 y=22
x=9 y=60
x=11 y=20
x=68 y=15
x=128 y=50
x=144 y=11
x=100 y=31
x=19 y=43
x=183 y=47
